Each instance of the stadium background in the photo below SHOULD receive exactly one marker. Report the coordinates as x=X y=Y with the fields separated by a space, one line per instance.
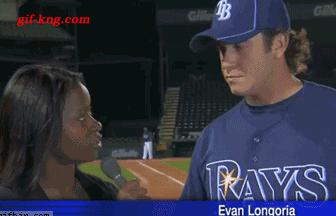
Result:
x=140 y=72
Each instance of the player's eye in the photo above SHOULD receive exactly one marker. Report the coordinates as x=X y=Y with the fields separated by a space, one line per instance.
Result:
x=238 y=46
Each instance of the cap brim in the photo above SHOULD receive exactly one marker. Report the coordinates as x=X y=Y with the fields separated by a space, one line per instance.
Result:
x=208 y=38
x=202 y=41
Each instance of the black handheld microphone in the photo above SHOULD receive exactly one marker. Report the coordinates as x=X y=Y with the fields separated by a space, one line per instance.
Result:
x=111 y=168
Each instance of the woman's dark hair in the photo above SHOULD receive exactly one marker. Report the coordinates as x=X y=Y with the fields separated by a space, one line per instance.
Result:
x=31 y=111
x=298 y=50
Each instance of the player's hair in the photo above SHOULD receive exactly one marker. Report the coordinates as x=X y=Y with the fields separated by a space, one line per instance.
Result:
x=298 y=50
x=31 y=112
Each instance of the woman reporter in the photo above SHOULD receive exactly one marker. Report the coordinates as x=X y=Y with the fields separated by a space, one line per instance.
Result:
x=46 y=128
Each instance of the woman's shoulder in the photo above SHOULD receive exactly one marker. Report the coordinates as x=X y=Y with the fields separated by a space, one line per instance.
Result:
x=96 y=188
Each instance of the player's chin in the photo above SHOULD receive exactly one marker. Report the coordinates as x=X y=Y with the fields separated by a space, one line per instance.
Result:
x=238 y=91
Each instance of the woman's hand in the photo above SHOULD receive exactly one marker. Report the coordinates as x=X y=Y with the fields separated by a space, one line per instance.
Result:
x=132 y=191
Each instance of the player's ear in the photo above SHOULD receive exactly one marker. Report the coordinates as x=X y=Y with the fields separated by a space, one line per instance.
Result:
x=280 y=44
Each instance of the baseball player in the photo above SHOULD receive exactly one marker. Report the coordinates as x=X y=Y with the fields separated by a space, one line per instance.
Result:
x=148 y=144
x=279 y=142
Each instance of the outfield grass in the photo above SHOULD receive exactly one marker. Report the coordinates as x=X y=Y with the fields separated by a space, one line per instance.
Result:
x=182 y=165
x=95 y=170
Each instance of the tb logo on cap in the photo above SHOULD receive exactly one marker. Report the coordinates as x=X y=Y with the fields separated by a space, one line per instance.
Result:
x=223 y=10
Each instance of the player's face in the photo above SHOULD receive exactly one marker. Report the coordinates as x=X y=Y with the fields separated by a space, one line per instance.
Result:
x=246 y=66
x=80 y=135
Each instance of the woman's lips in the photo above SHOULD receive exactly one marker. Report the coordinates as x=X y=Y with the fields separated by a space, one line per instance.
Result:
x=99 y=144
x=98 y=140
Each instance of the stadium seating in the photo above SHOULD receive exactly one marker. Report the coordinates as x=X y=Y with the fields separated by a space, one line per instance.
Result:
x=200 y=102
x=168 y=120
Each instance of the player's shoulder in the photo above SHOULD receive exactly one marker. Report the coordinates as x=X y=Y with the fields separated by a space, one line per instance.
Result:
x=316 y=96
x=221 y=121
x=319 y=90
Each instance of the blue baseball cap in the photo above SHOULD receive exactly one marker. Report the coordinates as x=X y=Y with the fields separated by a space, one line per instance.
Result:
x=235 y=21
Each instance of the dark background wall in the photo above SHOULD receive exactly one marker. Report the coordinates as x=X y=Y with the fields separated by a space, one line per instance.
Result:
x=129 y=28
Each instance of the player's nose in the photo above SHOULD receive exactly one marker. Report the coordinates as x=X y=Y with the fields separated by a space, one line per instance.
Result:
x=228 y=59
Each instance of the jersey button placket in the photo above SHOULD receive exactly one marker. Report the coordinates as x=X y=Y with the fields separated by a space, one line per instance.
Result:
x=255 y=159
x=256 y=142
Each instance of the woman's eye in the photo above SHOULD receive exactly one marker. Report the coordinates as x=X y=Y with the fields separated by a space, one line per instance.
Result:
x=83 y=117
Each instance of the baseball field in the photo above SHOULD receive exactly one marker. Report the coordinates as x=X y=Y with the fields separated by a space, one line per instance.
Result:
x=163 y=178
